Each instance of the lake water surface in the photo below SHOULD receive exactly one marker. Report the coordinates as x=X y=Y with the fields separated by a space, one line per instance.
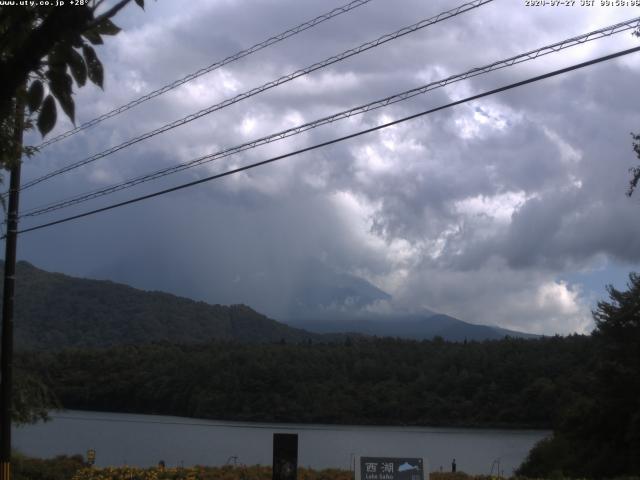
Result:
x=143 y=440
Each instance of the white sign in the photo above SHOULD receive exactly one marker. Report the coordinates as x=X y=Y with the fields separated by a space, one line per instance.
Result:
x=391 y=468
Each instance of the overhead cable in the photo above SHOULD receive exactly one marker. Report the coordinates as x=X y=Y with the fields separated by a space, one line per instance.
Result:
x=333 y=141
x=274 y=83
x=517 y=59
x=214 y=66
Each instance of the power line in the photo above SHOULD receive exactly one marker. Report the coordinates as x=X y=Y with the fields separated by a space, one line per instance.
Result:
x=531 y=55
x=214 y=66
x=336 y=140
x=274 y=83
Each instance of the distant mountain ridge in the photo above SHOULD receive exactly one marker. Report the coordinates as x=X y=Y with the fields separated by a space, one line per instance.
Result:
x=423 y=326
x=55 y=311
x=326 y=300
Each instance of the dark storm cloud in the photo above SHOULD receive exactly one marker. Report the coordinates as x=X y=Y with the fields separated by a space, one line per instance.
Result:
x=476 y=211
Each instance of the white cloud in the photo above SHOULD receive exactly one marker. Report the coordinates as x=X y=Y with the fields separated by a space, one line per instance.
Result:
x=498 y=207
x=476 y=211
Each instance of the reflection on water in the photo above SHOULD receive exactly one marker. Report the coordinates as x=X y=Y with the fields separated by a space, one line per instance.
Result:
x=144 y=440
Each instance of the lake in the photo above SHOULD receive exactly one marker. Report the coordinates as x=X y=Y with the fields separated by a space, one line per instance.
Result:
x=143 y=440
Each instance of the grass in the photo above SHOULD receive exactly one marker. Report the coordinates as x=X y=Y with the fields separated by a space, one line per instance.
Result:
x=75 y=468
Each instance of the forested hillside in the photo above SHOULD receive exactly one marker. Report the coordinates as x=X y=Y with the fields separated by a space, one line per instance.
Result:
x=55 y=311
x=510 y=383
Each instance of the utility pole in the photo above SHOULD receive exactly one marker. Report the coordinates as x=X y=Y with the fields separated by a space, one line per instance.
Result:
x=6 y=358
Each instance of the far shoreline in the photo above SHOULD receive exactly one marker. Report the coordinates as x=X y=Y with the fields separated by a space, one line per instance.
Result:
x=283 y=425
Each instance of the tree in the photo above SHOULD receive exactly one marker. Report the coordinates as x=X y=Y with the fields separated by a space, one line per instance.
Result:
x=635 y=171
x=599 y=435
x=618 y=335
x=32 y=399
x=46 y=49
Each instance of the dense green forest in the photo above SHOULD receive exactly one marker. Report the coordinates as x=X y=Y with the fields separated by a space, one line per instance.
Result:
x=510 y=383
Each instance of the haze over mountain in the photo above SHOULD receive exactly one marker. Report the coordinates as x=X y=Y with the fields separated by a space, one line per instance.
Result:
x=325 y=293
x=331 y=301
x=56 y=311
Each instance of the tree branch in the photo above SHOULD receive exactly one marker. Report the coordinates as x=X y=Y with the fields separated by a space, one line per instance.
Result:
x=108 y=14
x=97 y=4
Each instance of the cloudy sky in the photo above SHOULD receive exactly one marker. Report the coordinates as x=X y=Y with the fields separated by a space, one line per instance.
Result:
x=509 y=210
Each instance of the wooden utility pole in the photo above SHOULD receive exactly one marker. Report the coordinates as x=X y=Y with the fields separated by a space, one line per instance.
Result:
x=6 y=358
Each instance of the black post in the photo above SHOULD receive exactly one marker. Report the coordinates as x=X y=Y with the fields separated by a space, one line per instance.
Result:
x=285 y=456
x=6 y=359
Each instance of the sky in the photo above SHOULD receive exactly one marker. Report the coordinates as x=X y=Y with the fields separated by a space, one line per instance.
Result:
x=509 y=210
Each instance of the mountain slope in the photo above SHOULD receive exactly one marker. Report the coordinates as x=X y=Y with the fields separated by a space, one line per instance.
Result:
x=321 y=291
x=411 y=326
x=55 y=311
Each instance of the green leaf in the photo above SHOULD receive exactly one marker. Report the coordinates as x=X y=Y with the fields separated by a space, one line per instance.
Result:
x=69 y=107
x=35 y=95
x=94 y=66
x=93 y=37
x=57 y=58
x=61 y=86
x=47 y=117
x=59 y=81
x=107 y=27
x=140 y=3
x=76 y=40
x=78 y=68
